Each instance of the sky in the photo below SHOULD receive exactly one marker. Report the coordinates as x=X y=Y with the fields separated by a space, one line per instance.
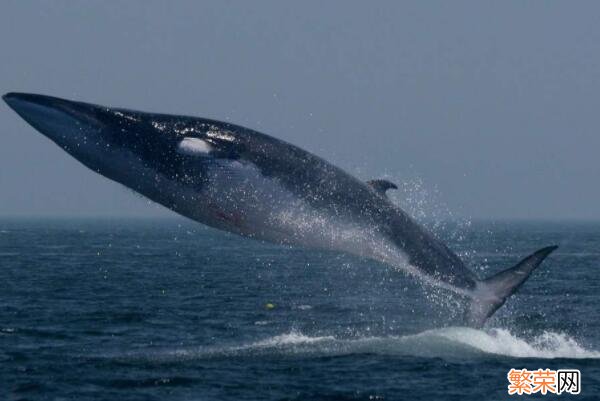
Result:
x=492 y=107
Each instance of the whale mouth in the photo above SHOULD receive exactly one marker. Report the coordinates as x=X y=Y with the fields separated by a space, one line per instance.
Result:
x=81 y=129
x=65 y=122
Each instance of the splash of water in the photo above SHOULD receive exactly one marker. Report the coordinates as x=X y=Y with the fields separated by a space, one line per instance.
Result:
x=497 y=341
x=447 y=343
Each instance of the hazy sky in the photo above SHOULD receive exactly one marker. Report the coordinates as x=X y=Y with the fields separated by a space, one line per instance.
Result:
x=496 y=106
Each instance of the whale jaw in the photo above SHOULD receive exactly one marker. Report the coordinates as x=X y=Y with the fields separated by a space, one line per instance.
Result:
x=76 y=127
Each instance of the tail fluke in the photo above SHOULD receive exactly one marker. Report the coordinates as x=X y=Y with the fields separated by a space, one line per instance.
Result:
x=495 y=290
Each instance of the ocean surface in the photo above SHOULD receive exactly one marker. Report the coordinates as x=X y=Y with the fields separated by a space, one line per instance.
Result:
x=118 y=309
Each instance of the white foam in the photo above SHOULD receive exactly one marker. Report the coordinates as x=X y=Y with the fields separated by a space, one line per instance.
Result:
x=447 y=343
x=502 y=342
x=292 y=338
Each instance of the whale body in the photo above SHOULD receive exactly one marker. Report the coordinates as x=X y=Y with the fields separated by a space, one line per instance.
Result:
x=245 y=182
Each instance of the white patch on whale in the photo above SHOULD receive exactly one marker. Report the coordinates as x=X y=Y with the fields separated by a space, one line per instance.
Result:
x=194 y=146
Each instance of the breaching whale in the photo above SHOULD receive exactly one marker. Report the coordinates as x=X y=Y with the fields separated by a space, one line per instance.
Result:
x=245 y=182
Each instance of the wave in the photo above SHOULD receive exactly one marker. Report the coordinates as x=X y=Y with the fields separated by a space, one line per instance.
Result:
x=547 y=345
x=448 y=343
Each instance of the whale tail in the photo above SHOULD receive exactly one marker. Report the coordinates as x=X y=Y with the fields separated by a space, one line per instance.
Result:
x=494 y=291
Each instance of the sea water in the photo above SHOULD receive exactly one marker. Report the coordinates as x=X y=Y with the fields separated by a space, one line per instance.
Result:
x=126 y=309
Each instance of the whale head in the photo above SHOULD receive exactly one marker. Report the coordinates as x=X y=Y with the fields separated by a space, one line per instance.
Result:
x=160 y=156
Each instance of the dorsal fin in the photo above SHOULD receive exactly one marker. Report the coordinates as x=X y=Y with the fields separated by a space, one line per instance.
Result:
x=381 y=186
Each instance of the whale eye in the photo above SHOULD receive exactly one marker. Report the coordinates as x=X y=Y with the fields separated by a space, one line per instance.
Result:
x=194 y=147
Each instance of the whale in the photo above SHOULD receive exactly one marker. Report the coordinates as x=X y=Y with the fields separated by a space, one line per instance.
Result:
x=248 y=183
